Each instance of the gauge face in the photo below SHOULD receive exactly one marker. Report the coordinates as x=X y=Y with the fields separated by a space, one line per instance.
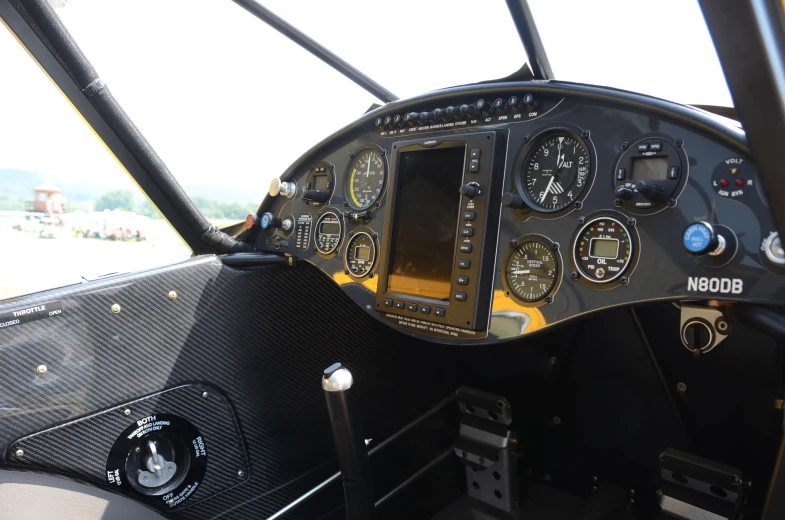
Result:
x=360 y=254
x=365 y=179
x=556 y=171
x=602 y=250
x=531 y=271
x=328 y=233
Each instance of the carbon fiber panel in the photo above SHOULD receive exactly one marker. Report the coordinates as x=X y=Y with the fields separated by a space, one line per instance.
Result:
x=262 y=336
x=80 y=447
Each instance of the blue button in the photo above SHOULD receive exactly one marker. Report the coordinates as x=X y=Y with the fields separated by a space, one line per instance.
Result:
x=698 y=238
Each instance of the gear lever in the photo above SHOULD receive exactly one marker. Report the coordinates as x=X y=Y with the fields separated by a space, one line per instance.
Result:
x=339 y=393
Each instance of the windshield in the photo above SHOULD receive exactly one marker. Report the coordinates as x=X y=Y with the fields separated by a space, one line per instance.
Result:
x=661 y=48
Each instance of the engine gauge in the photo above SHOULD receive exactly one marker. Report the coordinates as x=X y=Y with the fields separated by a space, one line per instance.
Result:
x=555 y=171
x=532 y=270
x=328 y=233
x=365 y=178
x=360 y=254
x=602 y=250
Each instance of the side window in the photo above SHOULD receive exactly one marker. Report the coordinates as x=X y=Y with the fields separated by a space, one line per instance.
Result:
x=68 y=209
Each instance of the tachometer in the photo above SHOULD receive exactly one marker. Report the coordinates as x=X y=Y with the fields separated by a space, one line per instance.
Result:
x=555 y=171
x=365 y=178
x=532 y=270
x=360 y=254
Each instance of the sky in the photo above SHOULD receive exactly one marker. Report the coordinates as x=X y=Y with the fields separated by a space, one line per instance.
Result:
x=225 y=100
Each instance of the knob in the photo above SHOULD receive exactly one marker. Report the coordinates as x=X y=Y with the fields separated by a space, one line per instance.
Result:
x=483 y=107
x=499 y=105
x=411 y=118
x=624 y=192
x=530 y=101
x=397 y=119
x=512 y=200
x=269 y=221
x=287 y=189
x=379 y=122
x=651 y=190
x=440 y=114
x=426 y=116
x=514 y=103
x=317 y=196
x=388 y=121
x=469 y=190
x=468 y=110
x=772 y=247
x=452 y=112
x=700 y=238
x=697 y=335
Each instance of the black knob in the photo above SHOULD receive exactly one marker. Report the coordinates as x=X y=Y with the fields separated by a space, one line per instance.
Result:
x=397 y=119
x=440 y=114
x=512 y=200
x=484 y=108
x=624 y=192
x=499 y=105
x=379 y=122
x=469 y=190
x=468 y=110
x=411 y=118
x=651 y=190
x=317 y=196
x=514 y=103
x=388 y=121
x=426 y=116
x=452 y=112
x=269 y=221
x=697 y=335
x=530 y=101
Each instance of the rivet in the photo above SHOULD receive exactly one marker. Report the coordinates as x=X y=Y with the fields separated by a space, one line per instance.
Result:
x=172 y=295
x=19 y=453
x=138 y=449
x=205 y=395
x=574 y=275
x=116 y=308
x=241 y=474
x=681 y=387
x=557 y=421
x=549 y=299
x=41 y=370
x=127 y=412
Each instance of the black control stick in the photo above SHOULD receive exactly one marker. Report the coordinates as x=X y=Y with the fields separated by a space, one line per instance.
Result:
x=339 y=392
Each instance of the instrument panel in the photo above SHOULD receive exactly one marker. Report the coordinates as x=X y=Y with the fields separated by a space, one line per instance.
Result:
x=484 y=213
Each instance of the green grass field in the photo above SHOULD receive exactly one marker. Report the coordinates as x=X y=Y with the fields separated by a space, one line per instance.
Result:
x=31 y=264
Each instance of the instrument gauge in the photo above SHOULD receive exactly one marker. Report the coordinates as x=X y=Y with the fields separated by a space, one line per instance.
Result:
x=603 y=250
x=365 y=178
x=555 y=171
x=360 y=254
x=327 y=237
x=532 y=270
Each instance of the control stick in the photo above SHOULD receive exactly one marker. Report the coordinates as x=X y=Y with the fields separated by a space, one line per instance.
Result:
x=339 y=392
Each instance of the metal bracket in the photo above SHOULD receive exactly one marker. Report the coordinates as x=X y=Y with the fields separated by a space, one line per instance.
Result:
x=489 y=450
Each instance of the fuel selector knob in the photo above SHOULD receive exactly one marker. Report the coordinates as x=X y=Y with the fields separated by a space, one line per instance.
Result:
x=715 y=245
x=697 y=335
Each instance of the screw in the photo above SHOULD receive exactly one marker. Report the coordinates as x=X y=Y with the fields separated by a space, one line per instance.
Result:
x=170 y=502
x=241 y=474
x=679 y=143
x=116 y=308
x=172 y=295
x=205 y=395
x=549 y=299
x=632 y=501
x=578 y=204
x=127 y=412
x=624 y=280
x=345 y=204
x=554 y=359
x=345 y=271
x=631 y=493
x=631 y=222
x=41 y=370
x=382 y=152
x=681 y=387
x=513 y=243
x=574 y=275
x=351 y=156
x=547 y=477
x=581 y=220
x=594 y=479
x=19 y=453
x=138 y=449
x=624 y=146
x=672 y=203
x=555 y=246
x=585 y=134
x=370 y=275
x=351 y=233
x=617 y=203
x=722 y=326
x=144 y=478
x=171 y=468
x=662 y=457
x=736 y=479
x=557 y=421
x=506 y=293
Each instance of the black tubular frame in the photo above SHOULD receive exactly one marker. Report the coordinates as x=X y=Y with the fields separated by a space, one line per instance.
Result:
x=39 y=29
x=530 y=38
x=749 y=37
x=315 y=48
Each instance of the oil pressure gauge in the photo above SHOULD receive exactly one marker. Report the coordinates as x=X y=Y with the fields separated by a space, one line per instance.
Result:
x=603 y=250
x=360 y=254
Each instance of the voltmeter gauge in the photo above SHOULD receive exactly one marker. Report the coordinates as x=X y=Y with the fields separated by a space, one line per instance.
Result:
x=365 y=178
x=532 y=270
x=602 y=250
x=327 y=237
x=360 y=254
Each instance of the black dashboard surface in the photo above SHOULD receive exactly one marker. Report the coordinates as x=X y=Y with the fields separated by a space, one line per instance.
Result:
x=714 y=182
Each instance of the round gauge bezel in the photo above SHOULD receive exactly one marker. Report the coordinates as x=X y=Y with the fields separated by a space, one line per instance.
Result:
x=623 y=276
x=336 y=248
x=581 y=135
x=346 y=178
x=352 y=235
x=555 y=251
x=329 y=169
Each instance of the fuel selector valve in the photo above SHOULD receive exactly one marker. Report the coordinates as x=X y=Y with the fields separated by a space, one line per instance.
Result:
x=714 y=245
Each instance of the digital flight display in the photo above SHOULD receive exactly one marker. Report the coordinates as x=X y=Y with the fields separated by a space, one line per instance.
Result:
x=649 y=169
x=320 y=182
x=603 y=248
x=362 y=252
x=425 y=222
x=330 y=228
